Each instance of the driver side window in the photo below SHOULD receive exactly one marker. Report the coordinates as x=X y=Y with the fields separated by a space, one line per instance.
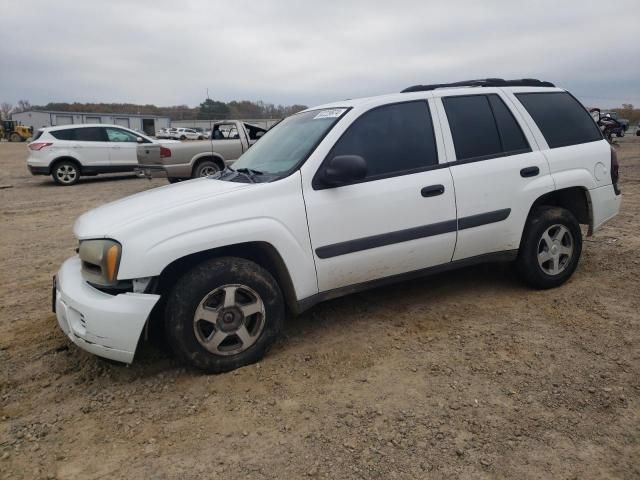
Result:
x=393 y=139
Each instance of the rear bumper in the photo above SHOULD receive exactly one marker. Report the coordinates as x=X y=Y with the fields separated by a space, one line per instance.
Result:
x=151 y=171
x=106 y=325
x=605 y=204
x=33 y=170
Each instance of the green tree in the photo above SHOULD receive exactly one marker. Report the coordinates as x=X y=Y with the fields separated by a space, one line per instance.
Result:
x=212 y=109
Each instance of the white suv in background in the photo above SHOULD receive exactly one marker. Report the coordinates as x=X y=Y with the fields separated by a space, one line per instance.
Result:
x=339 y=198
x=187 y=134
x=71 y=151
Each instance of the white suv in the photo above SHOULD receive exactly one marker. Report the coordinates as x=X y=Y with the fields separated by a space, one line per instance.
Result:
x=69 y=151
x=336 y=199
x=187 y=134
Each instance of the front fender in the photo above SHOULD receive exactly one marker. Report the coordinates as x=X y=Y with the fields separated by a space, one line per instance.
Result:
x=149 y=260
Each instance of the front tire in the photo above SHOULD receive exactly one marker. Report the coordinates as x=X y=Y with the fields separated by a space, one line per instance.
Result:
x=224 y=314
x=550 y=248
x=65 y=173
x=14 y=137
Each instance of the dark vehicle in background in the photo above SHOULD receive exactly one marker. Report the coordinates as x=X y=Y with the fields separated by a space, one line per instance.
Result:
x=609 y=123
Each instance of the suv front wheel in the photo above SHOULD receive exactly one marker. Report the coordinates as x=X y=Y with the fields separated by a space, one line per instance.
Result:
x=550 y=248
x=223 y=314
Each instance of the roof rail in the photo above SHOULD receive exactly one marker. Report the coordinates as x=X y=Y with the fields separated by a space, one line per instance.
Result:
x=482 y=82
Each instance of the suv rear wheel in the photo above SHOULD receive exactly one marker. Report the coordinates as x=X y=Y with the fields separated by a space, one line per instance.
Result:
x=550 y=248
x=65 y=173
x=223 y=314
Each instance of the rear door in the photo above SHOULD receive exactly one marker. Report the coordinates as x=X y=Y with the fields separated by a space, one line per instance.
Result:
x=401 y=217
x=91 y=145
x=498 y=171
x=123 y=147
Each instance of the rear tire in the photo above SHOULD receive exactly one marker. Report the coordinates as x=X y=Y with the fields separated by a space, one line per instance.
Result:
x=65 y=173
x=206 y=168
x=223 y=314
x=14 y=137
x=550 y=248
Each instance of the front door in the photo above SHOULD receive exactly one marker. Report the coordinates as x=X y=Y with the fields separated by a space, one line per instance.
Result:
x=400 y=218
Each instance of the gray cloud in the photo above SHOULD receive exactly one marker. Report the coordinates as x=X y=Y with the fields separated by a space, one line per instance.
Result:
x=168 y=52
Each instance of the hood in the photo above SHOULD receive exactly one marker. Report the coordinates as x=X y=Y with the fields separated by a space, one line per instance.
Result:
x=105 y=221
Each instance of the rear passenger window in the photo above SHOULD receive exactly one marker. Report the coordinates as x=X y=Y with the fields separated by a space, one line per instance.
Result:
x=561 y=118
x=392 y=139
x=90 y=134
x=511 y=135
x=483 y=127
x=67 y=134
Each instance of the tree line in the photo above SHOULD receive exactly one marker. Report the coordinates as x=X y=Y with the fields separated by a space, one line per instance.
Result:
x=207 y=110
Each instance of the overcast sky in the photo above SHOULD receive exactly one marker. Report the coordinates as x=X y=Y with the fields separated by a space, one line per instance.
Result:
x=170 y=52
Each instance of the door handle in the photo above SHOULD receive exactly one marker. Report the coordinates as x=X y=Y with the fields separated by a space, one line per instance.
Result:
x=116 y=147
x=432 y=191
x=529 y=172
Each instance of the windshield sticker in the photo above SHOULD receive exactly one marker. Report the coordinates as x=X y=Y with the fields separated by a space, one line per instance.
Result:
x=331 y=113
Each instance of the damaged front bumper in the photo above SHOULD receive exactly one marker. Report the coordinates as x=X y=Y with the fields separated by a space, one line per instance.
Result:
x=106 y=325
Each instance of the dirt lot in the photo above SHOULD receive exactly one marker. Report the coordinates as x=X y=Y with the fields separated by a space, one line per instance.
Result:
x=467 y=374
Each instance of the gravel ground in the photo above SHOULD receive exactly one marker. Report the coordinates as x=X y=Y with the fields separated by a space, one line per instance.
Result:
x=466 y=374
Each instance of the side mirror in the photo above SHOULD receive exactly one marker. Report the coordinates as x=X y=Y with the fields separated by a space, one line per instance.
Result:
x=595 y=113
x=139 y=139
x=259 y=134
x=344 y=169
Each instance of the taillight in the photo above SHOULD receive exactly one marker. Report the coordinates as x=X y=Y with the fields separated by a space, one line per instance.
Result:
x=39 y=145
x=615 y=174
x=165 y=152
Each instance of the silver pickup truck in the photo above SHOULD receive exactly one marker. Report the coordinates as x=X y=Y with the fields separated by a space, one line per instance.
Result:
x=228 y=140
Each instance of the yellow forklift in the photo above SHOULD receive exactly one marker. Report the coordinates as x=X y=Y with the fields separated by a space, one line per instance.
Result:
x=14 y=132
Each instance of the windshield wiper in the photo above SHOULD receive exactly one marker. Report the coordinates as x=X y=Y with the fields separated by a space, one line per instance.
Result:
x=250 y=171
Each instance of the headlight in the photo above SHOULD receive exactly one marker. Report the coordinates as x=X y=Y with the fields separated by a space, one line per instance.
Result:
x=100 y=261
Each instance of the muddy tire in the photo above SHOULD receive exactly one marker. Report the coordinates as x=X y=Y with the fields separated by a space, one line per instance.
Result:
x=550 y=248
x=223 y=314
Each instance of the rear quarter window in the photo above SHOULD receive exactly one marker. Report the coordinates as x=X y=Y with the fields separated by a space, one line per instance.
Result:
x=67 y=134
x=562 y=120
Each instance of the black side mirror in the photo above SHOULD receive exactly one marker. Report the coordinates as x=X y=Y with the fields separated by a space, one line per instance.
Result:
x=344 y=169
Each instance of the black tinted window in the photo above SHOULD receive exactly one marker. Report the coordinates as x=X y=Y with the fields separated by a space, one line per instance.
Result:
x=67 y=134
x=393 y=138
x=561 y=118
x=511 y=135
x=472 y=125
x=482 y=126
x=90 y=134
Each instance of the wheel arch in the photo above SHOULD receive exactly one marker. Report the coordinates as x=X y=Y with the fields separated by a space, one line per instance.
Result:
x=216 y=158
x=260 y=252
x=575 y=199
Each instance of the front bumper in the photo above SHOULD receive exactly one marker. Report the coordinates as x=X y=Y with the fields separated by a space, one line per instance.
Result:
x=106 y=325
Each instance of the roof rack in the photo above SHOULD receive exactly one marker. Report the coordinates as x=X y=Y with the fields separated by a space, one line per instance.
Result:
x=482 y=82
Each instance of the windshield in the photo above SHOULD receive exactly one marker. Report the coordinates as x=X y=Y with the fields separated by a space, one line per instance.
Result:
x=290 y=142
